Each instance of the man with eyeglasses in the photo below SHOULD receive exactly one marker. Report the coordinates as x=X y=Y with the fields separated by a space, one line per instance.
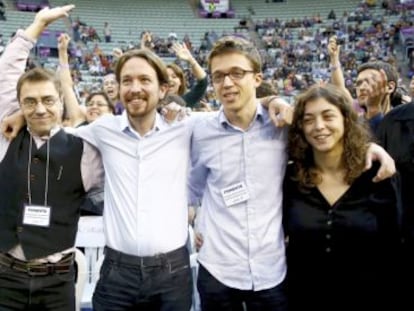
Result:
x=238 y=163
x=45 y=174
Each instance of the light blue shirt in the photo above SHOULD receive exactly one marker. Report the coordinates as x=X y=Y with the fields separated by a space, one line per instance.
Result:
x=145 y=210
x=244 y=243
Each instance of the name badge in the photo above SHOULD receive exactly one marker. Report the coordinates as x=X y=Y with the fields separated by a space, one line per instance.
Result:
x=36 y=215
x=235 y=194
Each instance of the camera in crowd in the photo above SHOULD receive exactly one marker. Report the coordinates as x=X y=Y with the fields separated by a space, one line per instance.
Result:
x=340 y=41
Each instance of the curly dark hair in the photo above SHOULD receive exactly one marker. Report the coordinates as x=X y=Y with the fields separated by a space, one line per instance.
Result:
x=355 y=140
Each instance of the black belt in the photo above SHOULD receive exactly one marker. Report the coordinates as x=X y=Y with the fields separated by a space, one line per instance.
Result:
x=35 y=268
x=145 y=261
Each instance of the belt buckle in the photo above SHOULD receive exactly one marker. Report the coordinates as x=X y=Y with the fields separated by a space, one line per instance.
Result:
x=30 y=270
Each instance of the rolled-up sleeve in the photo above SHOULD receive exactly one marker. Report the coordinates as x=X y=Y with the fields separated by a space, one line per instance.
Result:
x=91 y=168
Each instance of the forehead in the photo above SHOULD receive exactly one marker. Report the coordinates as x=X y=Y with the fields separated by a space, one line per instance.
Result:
x=170 y=71
x=368 y=73
x=137 y=66
x=319 y=105
x=38 y=89
x=109 y=78
x=98 y=97
x=230 y=60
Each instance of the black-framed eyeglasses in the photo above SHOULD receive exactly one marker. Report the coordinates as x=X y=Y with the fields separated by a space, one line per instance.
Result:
x=235 y=74
x=31 y=103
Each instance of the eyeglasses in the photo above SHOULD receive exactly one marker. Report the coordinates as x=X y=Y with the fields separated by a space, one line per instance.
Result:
x=100 y=105
x=31 y=103
x=235 y=74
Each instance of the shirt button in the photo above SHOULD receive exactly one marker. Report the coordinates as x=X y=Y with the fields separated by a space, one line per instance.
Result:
x=32 y=177
x=330 y=212
x=329 y=222
x=19 y=229
x=328 y=249
x=328 y=236
x=35 y=160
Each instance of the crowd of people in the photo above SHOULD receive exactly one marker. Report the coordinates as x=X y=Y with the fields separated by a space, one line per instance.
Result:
x=295 y=51
x=297 y=206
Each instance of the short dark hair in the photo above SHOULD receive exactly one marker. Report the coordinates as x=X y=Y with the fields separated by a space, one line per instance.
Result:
x=103 y=94
x=233 y=44
x=38 y=74
x=390 y=71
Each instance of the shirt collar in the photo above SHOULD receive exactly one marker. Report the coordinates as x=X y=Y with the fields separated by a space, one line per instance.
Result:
x=53 y=132
x=259 y=116
x=125 y=125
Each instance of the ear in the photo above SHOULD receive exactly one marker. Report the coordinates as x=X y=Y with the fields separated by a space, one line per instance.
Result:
x=163 y=90
x=258 y=77
x=391 y=85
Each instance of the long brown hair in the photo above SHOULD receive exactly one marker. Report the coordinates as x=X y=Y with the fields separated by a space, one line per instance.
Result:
x=180 y=75
x=356 y=137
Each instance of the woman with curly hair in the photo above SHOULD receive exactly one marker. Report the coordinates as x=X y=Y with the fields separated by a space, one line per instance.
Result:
x=342 y=228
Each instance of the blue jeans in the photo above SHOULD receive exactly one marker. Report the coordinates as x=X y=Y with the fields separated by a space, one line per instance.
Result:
x=216 y=296
x=20 y=291
x=159 y=283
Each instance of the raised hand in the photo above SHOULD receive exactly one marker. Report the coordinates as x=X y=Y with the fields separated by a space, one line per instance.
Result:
x=44 y=17
x=182 y=52
x=63 y=42
x=48 y=15
x=333 y=50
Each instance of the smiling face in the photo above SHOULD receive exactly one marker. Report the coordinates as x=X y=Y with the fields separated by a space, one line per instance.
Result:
x=96 y=106
x=41 y=106
x=235 y=92
x=140 y=90
x=174 y=82
x=323 y=126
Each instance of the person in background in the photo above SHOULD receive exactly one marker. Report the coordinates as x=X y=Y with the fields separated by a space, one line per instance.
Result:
x=107 y=32
x=396 y=135
x=178 y=81
x=343 y=230
x=97 y=103
x=110 y=87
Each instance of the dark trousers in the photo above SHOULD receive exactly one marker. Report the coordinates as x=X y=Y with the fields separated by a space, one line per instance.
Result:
x=215 y=296
x=20 y=291
x=159 y=283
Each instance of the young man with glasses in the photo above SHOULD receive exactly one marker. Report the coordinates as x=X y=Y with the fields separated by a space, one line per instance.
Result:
x=45 y=174
x=238 y=163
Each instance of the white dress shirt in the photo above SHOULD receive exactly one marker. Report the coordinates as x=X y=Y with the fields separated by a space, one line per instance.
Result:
x=243 y=244
x=145 y=210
